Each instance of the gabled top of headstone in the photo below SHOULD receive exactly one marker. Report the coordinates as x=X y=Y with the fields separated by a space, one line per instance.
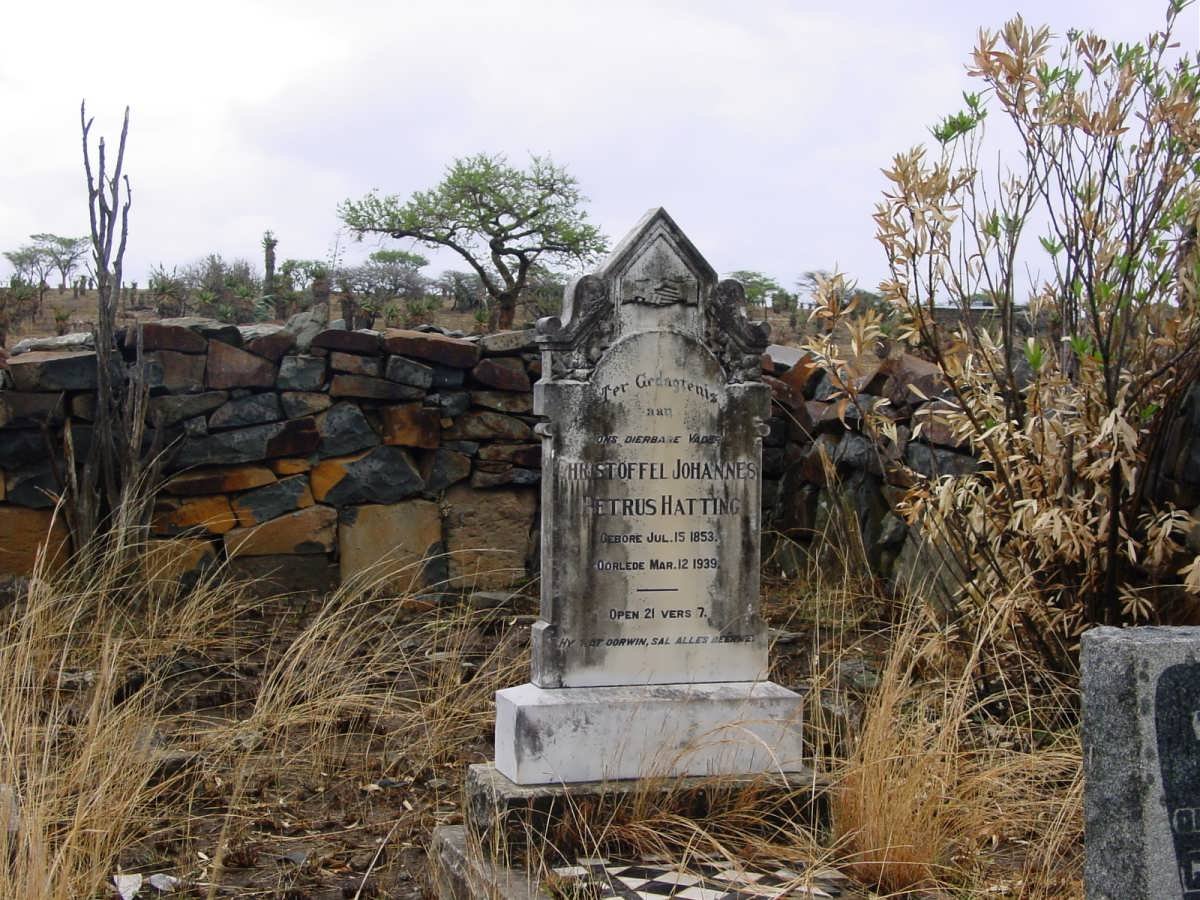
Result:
x=654 y=279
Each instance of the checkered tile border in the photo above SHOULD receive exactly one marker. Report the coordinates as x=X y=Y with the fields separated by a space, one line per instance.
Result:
x=654 y=879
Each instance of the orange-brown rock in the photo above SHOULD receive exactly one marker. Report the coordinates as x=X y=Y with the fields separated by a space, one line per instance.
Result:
x=24 y=532
x=502 y=373
x=437 y=348
x=802 y=378
x=311 y=530
x=291 y=465
x=170 y=559
x=412 y=425
x=229 y=367
x=177 y=515
x=390 y=542
x=488 y=535
x=157 y=336
x=219 y=480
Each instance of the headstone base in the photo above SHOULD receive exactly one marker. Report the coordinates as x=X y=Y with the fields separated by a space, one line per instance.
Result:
x=558 y=820
x=567 y=735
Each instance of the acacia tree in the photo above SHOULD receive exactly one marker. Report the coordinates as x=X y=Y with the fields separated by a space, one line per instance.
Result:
x=65 y=253
x=500 y=219
x=32 y=266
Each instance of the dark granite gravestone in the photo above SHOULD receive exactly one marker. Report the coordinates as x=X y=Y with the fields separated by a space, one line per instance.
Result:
x=1141 y=745
x=650 y=657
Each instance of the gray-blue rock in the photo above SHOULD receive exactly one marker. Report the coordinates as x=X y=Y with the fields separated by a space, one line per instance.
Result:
x=301 y=373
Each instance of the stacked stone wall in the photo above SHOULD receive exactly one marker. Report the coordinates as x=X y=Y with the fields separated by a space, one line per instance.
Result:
x=303 y=456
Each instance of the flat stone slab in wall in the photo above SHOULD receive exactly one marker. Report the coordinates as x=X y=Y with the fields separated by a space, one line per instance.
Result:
x=1141 y=751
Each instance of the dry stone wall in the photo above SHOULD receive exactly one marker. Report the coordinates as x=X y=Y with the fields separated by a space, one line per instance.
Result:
x=305 y=455
x=302 y=455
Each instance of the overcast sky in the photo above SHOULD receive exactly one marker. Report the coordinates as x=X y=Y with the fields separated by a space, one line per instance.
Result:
x=761 y=126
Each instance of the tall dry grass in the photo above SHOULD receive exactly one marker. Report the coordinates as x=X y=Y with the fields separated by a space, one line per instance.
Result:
x=141 y=714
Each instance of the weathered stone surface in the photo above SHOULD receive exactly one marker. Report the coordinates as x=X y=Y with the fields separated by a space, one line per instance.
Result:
x=353 y=364
x=504 y=342
x=268 y=341
x=311 y=530
x=229 y=367
x=412 y=425
x=446 y=377
x=301 y=373
x=372 y=388
x=434 y=348
x=443 y=468
x=485 y=426
x=171 y=409
x=494 y=474
x=20 y=446
x=1141 y=692
x=606 y=733
x=344 y=430
x=19 y=409
x=934 y=462
x=171 y=560
x=296 y=437
x=934 y=425
x=451 y=403
x=381 y=475
x=304 y=403
x=255 y=409
x=527 y=455
x=366 y=342
x=390 y=543
x=44 y=370
x=487 y=535
x=83 y=406
x=179 y=373
x=520 y=404
x=80 y=340
x=163 y=336
x=176 y=515
x=225 y=480
x=210 y=329
x=272 y=501
x=410 y=372
x=785 y=357
x=23 y=532
x=289 y=466
x=36 y=486
x=502 y=373
x=305 y=326
x=286 y=575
